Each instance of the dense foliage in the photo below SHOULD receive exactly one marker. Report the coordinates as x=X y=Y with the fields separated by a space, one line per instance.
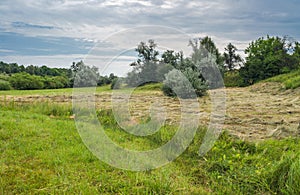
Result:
x=5 y=85
x=34 y=77
x=266 y=57
x=232 y=60
x=269 y=57
x=181 y=76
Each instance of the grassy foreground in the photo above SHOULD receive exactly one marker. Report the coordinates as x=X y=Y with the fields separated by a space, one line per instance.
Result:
x=42 y=153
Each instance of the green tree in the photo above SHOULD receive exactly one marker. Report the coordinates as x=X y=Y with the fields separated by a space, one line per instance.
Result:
x=208 y=60
x=84 y=76
x=145 y=68
x=4 y=85
x=204 y=46
x=172 y=58
x=187 y=79
x=266 y=58
x=26 y=81
x=296 y=52
x=231 y=59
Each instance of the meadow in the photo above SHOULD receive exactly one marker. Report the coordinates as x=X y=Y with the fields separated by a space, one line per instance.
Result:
x=42 y=152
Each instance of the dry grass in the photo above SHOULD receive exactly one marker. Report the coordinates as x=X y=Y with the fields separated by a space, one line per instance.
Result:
x=253 y=113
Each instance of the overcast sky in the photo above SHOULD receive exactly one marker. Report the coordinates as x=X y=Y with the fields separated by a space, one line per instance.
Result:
x=58 y=32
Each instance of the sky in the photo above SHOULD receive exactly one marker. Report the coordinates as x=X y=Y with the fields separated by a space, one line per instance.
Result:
x=104 y=33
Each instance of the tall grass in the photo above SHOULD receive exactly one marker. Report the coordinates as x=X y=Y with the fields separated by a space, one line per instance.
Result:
x=45 y=108
x=290 y=80
x=42 y=153
x=284 y=178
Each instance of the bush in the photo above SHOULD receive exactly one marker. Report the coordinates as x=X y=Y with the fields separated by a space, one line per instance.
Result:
x=233 y=79
x=4 y=77
x=116 y=84
x=56 y=82
x=26 y=81
x=187 y=84
x=4 y=85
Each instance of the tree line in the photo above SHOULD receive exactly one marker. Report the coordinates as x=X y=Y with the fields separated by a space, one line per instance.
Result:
x=14 y=76
x=206 y=67
x=185 y=76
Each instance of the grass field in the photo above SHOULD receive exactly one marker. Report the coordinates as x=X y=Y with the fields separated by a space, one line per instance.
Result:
x=42 y=153
x=43 y=92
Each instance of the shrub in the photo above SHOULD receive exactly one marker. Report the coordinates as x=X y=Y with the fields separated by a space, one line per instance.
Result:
x=26 y=81
x=116 y=84
x=56 y=82
x=4 y=77
x=4 y=85
x=233 y=79
x=186 y=84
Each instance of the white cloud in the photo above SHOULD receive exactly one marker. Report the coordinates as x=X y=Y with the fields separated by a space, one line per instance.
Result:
x=6 y=50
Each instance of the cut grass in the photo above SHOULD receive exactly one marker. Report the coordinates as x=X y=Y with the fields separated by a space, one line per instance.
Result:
x=290 y=80
x=42 y=153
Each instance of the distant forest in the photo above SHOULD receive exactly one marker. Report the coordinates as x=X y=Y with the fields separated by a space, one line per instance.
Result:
x=14 y=76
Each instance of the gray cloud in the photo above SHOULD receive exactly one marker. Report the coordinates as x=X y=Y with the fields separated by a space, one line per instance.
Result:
x=236 y=21
x=213 y=17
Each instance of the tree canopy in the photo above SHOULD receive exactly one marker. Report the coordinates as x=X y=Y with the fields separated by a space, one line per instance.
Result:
x=268 y=57
x=231 y=59
x=17 y=76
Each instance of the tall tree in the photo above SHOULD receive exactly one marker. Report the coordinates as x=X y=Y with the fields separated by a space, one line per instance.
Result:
x=146 y=52
x=203 y=48
x=145 y=68
x=266 y=58
x=84 y=76
x=208 y=44
x=171 y=57
x=231 y=59
x=296 y=52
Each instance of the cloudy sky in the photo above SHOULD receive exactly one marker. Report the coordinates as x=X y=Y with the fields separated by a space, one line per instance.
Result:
x=104 y=32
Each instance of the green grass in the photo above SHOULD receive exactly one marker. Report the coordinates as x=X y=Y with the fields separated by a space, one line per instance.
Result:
x=69 y=91
x=290 y=80
x=65 y=91
x=151 y=87
x=42 y=153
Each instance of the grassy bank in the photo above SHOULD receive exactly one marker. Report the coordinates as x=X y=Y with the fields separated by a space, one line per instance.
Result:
x=290 y=80
x=41 y=152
